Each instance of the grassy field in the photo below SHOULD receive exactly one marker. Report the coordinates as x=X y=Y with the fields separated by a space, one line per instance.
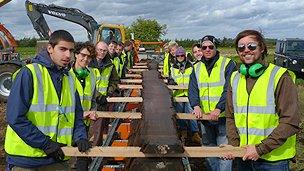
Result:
x=26 y=52
x=230 y=52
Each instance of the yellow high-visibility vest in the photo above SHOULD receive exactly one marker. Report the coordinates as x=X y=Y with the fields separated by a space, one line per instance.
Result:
x=255 y=113
x=52 y=116
x=166 y=65
x=103 y=80
x=182 y=79
x=211 y=87
x=86 y=93
x=119 y=65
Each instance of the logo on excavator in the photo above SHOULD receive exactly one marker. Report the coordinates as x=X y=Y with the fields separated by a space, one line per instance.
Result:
x=56 y=13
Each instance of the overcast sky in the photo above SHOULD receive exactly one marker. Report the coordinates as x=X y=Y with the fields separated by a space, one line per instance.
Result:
x=184 y=18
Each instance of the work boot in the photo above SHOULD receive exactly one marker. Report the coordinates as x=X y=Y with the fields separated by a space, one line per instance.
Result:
x=183 y=136
x=196 y=139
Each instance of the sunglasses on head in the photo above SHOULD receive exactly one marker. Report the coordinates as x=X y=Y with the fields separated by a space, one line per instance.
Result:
x=250 y=46
x=211 y=47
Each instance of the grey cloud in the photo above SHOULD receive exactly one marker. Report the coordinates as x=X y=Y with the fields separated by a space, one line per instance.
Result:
x=185 y=19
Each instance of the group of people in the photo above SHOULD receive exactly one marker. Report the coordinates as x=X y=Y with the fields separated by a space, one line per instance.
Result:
x=53 y=101
x=252 y=105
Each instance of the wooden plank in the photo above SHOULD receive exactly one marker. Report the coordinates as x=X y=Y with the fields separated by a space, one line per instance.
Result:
x=197 y=152
x=125 y=99
x=140 y=67
x=138 y=70
x=190 y=116
x=129 y=86
x=181 y=99
x=139 y=81
x=122 y=115
x=141 y=63
x=177 y=87
x=133 y=76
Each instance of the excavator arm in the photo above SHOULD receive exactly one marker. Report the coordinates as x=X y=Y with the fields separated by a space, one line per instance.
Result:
x=35 y=13
x=3 y=2
x=6 y=38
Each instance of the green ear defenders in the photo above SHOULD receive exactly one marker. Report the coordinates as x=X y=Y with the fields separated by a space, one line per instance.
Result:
x=254 y=70
x=82 y=72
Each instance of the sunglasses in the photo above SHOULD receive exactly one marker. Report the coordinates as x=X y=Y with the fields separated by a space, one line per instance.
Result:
x=250 y=46
x=211 y=47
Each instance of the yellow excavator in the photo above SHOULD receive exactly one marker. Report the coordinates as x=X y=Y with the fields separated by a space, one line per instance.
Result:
x=96 y=32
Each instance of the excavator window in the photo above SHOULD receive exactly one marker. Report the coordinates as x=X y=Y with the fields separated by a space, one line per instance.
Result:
x=109 y=34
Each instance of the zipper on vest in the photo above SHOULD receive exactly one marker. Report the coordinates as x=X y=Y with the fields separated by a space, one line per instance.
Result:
x=247 y=120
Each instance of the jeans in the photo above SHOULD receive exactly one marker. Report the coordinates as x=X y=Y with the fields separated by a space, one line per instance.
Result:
x=262 y=165
x=62 y=166
x=216 y=135
x=185 y=124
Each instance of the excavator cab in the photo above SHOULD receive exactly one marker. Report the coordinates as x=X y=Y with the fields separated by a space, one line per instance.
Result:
x=110 y=32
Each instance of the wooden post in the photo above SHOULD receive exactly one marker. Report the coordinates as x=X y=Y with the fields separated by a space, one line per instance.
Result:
x=181 y=99
x=177 y=87
x=129 y=86
x=190 y=116
x=125 y=99
x=139 y=81
x=122 y=115
x=200 y=152
x=140 y=67
x=133 y=76
x=141 y=63
x=138 y=70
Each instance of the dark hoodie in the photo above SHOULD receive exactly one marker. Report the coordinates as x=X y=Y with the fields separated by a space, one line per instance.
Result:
x=18 y=104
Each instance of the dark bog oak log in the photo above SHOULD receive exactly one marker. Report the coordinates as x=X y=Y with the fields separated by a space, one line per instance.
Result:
x=156 y=132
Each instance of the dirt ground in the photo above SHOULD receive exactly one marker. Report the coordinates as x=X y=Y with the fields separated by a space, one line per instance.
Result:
x=2 y=134
x=299 y=165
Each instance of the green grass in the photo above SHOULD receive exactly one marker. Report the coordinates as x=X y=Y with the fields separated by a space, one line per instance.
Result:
x=26 y=52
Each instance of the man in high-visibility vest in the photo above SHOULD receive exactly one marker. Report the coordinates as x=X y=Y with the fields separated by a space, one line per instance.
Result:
x=105 y=86
x=128 y=50
x=112 y=49
x=169 y=58
x=119 y=60
x=44 y=110
x=262 y=108
x=207 y=94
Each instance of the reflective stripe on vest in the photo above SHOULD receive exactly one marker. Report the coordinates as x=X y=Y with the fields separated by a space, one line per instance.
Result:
x=103 y=81
x=182 y=79
x=255 y=115
x=166 y=65
x=53 y=117
x=211 y=87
